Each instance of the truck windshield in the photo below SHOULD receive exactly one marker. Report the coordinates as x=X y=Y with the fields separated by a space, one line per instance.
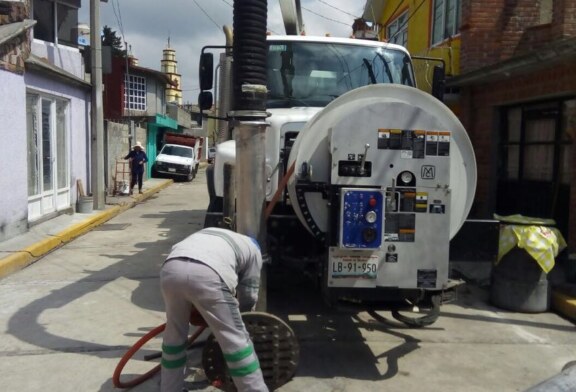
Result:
x=177 y=150
x=313 y=73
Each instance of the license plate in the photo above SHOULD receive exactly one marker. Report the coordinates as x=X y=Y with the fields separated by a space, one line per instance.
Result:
x=362 y=268
x=171 y=169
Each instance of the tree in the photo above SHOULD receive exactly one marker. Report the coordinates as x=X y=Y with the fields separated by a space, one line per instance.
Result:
x=109 y=38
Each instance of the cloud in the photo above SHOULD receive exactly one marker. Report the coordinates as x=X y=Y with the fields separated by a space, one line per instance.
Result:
x=192 y=24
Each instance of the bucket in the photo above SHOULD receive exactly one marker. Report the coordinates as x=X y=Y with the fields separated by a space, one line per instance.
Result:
x=519 y=284
x=84 y=204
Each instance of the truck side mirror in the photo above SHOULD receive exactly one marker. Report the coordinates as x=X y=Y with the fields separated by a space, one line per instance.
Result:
x=206 y=74
x=205 y=100
x=438 y=82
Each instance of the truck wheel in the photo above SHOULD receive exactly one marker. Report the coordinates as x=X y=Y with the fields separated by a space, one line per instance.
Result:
x=190 y=176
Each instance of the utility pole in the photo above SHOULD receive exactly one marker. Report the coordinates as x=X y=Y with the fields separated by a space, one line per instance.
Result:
x=97 y=115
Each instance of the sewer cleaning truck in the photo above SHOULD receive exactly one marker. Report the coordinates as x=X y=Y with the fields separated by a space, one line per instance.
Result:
x=367 y=178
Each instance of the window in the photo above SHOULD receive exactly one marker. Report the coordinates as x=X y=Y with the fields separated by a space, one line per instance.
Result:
x=48 y=167
x=546 y=11
x=134 y=92
x=397 y=31
x=57 y=21
x=533 y=142
x=314 y=74
x=535 y=167
x=446 y=20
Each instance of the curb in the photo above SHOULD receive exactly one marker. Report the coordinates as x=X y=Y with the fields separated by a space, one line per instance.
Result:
x=23 y=258
x=564 y=305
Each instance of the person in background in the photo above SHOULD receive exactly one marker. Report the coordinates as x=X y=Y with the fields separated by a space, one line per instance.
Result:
x=137 y=159
x=217 y=273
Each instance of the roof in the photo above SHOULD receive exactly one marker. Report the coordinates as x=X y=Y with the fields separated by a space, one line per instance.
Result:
x=554 y=52
x=157 y=74
x=11 y=30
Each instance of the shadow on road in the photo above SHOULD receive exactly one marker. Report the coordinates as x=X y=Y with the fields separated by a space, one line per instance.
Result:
x=26 y=325
x=331 y=341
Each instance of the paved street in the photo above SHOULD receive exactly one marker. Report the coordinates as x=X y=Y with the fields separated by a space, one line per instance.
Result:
x=67 y=319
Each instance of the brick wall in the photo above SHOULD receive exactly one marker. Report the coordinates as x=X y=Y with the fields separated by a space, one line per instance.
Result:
x=496 y=30
x=15 y=51
x=564 y=18
x=480 y=107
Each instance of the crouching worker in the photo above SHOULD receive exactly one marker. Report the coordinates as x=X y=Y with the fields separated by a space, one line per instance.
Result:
x=217 y=272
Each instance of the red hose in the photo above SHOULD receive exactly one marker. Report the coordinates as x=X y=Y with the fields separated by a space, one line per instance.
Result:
x=143 y=340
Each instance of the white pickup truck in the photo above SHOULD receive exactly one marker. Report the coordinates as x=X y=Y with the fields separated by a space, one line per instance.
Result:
x=176 y=161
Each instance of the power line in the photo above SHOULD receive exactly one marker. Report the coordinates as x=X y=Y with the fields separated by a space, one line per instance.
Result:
x=336 y=8
x=325 y=17
x=205 y=13
x=118 y=15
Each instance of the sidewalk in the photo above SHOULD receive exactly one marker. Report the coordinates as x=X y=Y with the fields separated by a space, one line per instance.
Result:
x=23 y=250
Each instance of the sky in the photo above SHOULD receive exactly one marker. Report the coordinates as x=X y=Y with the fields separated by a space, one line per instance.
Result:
x=191 y=24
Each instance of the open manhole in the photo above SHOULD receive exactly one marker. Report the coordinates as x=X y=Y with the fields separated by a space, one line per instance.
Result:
x=112 y=226
x=276 y=347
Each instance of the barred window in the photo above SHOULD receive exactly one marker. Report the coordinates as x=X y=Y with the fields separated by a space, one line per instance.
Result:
x=135 y=93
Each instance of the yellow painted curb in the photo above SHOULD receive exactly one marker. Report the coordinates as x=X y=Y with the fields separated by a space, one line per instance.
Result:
x=21 y=259
x=15 y=262
x=564 y=305
x=80 y=228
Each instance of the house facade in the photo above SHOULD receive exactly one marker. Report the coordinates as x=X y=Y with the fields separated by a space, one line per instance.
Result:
x=518 y=100
x=138 y=94
x=44 y=106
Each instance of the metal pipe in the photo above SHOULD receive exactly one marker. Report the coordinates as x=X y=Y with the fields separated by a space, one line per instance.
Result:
x=249 y=90
x=229 y=207
x=226 y=98
x=97 y=120
x=250 y=172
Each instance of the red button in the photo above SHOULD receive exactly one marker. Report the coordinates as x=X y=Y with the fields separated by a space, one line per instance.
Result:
x=372 y=202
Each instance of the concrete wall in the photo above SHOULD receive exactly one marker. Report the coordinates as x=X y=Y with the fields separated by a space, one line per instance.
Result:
x=117 y=147
x=13 y=175
x=65 y=57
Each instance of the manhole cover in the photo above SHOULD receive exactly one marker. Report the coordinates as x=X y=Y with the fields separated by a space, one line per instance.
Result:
x=112 y=226
x=275 y=344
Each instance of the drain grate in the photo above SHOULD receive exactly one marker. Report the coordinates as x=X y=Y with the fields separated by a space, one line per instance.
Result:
x=275 y=344
x=112 y=226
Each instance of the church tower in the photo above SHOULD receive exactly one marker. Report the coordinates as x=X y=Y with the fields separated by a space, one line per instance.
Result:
x=169 y=66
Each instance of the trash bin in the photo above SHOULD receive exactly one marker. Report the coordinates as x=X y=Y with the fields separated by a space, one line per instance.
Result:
x=526 y=254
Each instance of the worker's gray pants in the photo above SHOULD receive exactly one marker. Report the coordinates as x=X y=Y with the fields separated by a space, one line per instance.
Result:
x=186 y=284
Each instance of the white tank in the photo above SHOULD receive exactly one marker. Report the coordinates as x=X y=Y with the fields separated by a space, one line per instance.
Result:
x=362 y=113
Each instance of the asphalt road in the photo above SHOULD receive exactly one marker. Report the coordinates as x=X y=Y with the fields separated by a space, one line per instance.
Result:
x=67 y=319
